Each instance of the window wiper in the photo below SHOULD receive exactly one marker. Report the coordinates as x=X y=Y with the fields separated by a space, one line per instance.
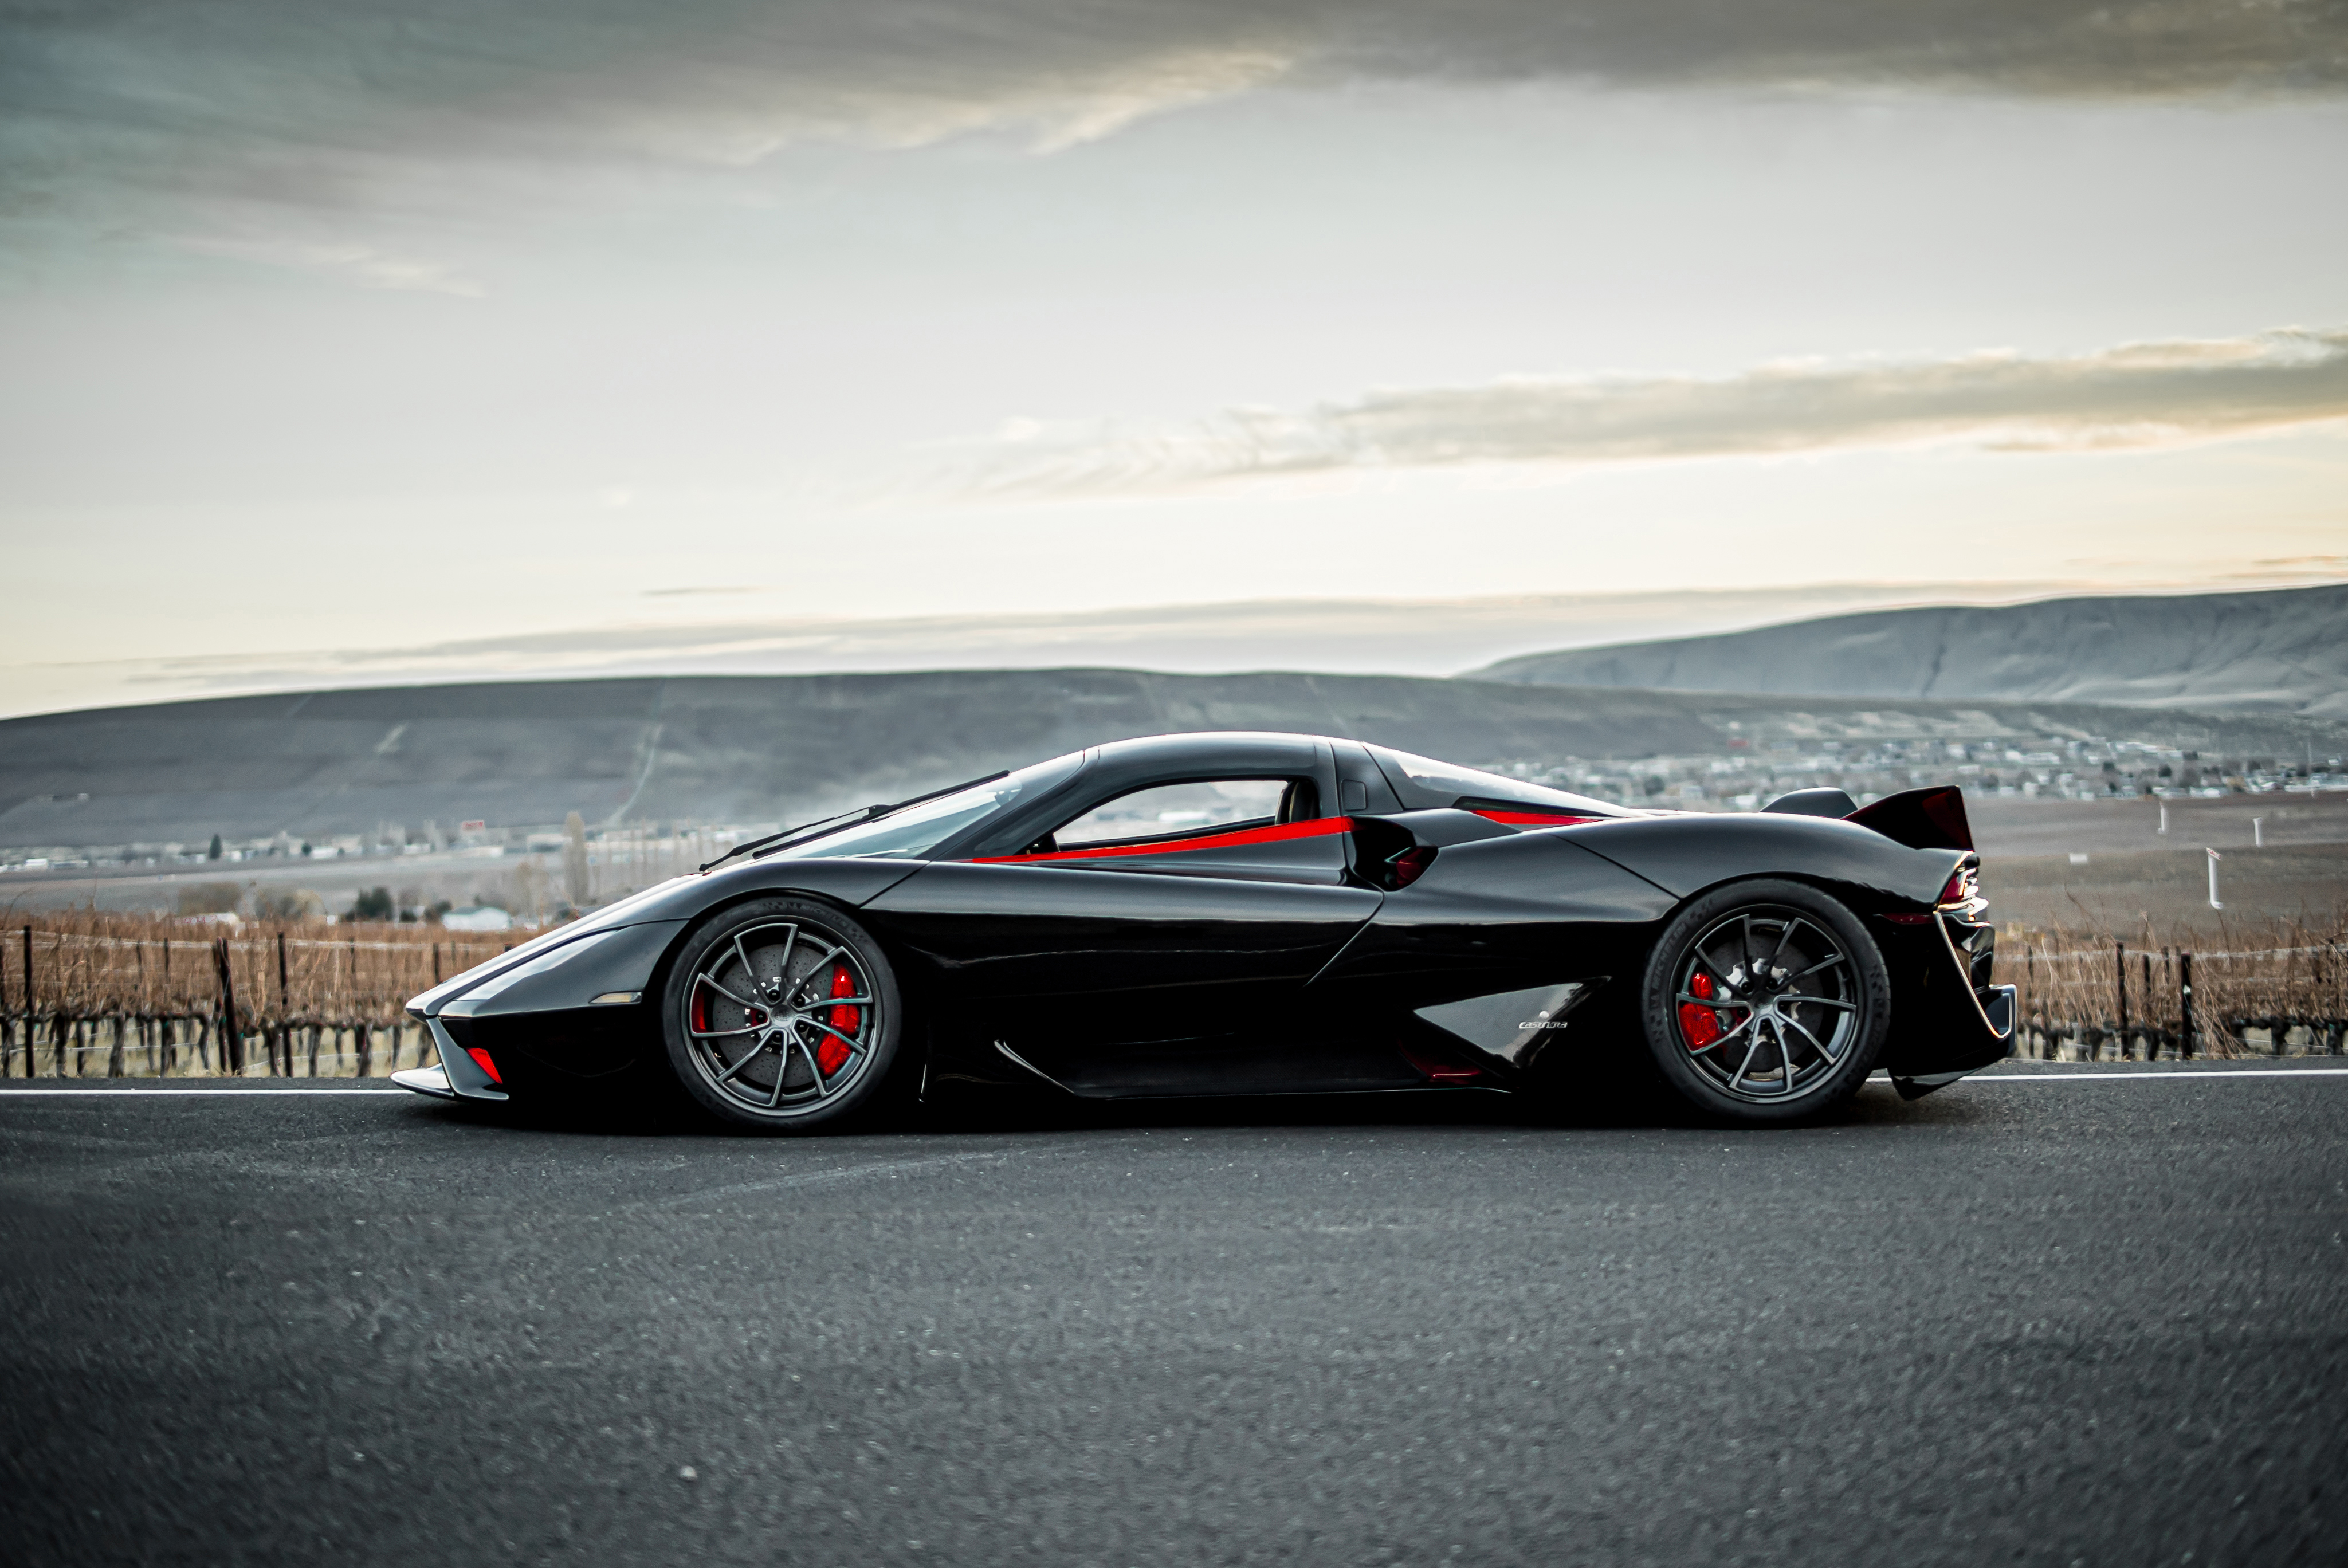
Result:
x=773 y=843
x=860 y=813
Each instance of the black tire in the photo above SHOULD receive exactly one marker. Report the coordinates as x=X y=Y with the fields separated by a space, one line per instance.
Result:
x=1765 y=1002
x=788 y=1049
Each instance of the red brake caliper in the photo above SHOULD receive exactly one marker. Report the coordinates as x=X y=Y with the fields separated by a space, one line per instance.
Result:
x=832 y=1055
x=1701 y=1026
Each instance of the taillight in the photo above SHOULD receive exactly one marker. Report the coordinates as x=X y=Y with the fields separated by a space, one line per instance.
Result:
x=481 y=1057
x=1963 y=888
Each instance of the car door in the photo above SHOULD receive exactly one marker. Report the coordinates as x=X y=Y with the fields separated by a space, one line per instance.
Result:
x=1131 y=949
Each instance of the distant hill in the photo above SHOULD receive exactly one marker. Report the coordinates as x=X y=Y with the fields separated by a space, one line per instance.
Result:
x=2284 y=651
x=754 y=748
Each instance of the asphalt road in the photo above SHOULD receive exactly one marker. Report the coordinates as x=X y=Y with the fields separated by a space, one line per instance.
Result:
x=2092 y=1321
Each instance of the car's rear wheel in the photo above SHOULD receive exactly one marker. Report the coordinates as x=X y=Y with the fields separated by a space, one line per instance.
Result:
x=783 y=1016
x=1766 y=1001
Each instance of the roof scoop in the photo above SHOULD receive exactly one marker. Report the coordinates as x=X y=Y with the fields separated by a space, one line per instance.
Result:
x=1814 y=803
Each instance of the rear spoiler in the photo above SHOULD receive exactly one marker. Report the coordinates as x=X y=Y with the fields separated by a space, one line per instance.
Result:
x=1928 y=819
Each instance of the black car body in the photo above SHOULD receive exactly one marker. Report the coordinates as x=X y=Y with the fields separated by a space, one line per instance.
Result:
x=1391 y=924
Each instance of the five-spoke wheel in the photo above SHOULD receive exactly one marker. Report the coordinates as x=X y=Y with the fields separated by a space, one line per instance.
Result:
x=781 y=1014
x=1765 y=1000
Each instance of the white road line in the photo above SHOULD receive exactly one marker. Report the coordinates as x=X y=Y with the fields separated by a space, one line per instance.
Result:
x=2149 y=1078
x=182 y=1093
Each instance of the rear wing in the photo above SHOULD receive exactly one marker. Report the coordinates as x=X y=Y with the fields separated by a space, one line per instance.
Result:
x=1927 y=819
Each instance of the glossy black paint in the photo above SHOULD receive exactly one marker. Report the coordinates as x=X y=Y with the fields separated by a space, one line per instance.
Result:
x=1926 y=819
x=1938 y=998
x=559 y=1046
x=617 y=959
x=1494 y=914
x=1268 y=964
x=1362 y=786
x=1106 y=979
x=1687 y=854
x=1824 y=802
x=676 y=903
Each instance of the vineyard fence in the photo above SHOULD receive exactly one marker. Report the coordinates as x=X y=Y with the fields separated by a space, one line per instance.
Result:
x=120 y=997
x=92 y=995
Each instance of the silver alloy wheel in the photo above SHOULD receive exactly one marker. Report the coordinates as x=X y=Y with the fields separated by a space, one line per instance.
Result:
x=782 y=1018
x=1768 y=1004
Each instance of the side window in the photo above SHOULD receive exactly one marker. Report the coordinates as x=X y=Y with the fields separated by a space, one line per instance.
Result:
x=1174 y=811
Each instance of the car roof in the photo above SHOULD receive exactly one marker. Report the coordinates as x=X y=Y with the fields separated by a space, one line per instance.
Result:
x=1272 y=750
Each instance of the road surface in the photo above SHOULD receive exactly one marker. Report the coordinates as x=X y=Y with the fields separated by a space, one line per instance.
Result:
x=2054 y=1318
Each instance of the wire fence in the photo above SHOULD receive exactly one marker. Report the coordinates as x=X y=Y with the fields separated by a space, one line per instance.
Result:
x=2271 y=988
x=85 y=995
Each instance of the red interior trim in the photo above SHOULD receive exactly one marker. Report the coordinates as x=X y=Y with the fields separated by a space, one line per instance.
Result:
x=1319 y=828
x=1533 y=819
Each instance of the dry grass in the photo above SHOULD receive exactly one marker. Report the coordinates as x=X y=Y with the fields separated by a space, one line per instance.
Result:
x=2257 y=987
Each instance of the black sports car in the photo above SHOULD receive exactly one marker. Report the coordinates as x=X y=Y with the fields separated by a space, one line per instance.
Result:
x=1251 y=913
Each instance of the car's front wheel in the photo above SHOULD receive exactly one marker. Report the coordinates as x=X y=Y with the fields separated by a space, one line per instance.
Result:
x=1766 y=1001
x=782 y=1016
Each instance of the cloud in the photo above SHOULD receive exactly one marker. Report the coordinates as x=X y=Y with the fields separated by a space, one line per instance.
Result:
x=2136 y=394
x=360 y=264
x=298 y=102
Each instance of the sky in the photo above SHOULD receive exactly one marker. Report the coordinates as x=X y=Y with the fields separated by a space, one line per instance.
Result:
x=413 y=340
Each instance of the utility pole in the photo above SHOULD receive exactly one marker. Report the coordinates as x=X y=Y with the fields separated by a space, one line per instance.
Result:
x=575 y=875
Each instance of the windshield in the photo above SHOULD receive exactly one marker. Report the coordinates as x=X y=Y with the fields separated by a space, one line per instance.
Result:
x=1424 y=784
x=914 y=832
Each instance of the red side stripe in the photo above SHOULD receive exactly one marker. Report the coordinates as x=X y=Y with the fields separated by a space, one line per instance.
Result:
x=1533 y=819
x=1319 y=828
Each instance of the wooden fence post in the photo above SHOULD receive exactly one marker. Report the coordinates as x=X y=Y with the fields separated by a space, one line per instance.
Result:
x=280 y=1039
x=28 y=1001
x=2119 y=975
x=2185 y=1003
x=232 y=1042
